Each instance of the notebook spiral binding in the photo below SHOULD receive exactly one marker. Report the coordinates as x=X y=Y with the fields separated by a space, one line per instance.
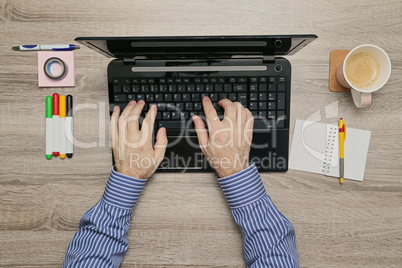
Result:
x=332 y=132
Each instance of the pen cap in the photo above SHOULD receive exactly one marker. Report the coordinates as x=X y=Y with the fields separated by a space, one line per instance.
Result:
x=49 y=106
x=69 y=105
x=62 y=106
x=55 y=104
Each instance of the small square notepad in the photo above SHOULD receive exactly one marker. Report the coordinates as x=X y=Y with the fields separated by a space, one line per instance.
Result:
x=68 y=80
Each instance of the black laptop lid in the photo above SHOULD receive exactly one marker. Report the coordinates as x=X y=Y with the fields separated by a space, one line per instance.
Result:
x=197 y=46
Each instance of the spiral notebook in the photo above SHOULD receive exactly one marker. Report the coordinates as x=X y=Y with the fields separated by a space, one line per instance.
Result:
x=315 y=148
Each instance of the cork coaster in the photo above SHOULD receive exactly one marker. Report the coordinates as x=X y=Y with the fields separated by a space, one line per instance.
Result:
x=336 y=58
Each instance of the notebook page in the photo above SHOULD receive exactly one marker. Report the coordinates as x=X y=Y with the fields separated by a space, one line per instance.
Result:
x=308 y=147
x=356 y=149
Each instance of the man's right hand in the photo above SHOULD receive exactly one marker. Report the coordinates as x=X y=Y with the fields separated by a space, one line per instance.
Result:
x=227 y=142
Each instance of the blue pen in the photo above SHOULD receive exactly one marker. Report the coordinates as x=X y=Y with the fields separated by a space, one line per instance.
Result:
x=46 y=47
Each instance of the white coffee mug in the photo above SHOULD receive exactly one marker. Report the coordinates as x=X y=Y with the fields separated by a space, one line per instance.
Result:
x=362 y=95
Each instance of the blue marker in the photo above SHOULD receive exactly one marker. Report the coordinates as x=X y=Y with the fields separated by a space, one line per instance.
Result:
x=46 y=47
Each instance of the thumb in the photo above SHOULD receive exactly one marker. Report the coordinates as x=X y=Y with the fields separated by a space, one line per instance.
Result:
x=202 y=133
x=160 y=145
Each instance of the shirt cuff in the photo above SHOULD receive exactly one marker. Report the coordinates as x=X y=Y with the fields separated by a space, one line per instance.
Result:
x=242 y=188
x=123 y=191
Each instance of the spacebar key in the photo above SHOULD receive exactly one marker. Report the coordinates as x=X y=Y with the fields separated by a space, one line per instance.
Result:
x=172 y=124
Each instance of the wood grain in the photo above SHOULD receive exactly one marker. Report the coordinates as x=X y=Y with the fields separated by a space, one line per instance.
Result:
x=41 y=202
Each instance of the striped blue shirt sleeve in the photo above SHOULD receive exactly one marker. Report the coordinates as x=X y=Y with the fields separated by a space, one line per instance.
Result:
x=102 y=239
x=268 y=237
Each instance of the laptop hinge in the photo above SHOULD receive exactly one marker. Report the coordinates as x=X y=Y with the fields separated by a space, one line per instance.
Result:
x=270 y=58
x=134 y=59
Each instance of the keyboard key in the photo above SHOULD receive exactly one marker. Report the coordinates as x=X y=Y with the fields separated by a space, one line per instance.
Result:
x=218 y=88
x=253 y=96
x=227 y=88
x=143 y=80
x=191 y=88
x=140 y=97
x=271 y=105
x=205 y=80
x=135 y=89
x=272 y=96
x=163 y=88
x=263 y=87
x=209 y=88
x=162 y=80
x=153 y=88
x=188 y=106
x=253 y=80
x=263 y=79
x=272 y=87
x=242 y=98
x=281 y=87
x=172 y=88
x=197 y=106
x=130 y=97
x=213 y=96
x=282 y=79
x=253 y=106
x=158 y=97
x=271 y=115
x=126 y=81
x=149 y=98
x=145 y=88
x=117 y=89
x=181 y=88
x=186 y=97
x=262 y=105
x=176 y=97
x=171 y=124
x=166 y=115
x=175 y=115
x=178 y=80
x=170 y=80
x=186 y=80
x=262 y=96
x=168 y=97
x=253 y=87
x=272 y=79
x=126 y=88
x=223 y=96
x=232 y=96
x=120 y=97
x=199 y=88
x=180 y=106
x=242 y=80
x=281 y=101
x=232 y=80
x=116 y=81
x=195 y=97
x=239 y=87
x=135 y=81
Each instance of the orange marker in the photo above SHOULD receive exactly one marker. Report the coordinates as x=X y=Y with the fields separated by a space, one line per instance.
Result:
x=62 y=119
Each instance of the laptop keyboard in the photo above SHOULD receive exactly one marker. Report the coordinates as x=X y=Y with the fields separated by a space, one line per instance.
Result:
x=180 y=98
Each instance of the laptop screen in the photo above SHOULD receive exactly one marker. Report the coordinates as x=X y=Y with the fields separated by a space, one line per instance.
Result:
x=197 y=46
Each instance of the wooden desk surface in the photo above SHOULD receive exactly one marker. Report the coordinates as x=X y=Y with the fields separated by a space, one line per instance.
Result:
x=181 y=220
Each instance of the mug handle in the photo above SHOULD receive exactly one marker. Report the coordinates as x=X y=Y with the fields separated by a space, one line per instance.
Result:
x=361 y=99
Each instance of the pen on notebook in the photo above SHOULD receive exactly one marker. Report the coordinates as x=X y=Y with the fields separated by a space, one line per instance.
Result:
x=62 y=119
x=56 y=127
x=69 y=127
x=342 y=138
x=49 y=129
x=46 y=47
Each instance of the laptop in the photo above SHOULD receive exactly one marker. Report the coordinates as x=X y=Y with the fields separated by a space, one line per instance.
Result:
x=175 y=72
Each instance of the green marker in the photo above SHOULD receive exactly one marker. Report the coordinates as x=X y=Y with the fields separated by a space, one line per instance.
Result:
x=49 y=127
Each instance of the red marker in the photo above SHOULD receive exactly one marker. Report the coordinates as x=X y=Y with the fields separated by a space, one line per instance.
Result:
x=55 y=124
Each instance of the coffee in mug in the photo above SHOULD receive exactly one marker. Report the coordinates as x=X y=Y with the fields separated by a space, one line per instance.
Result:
x=364 y=70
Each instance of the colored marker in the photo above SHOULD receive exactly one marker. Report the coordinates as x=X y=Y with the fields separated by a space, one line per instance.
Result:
x=69 y=127
x=62 y=119
x=56 y=127
x=49 y=129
